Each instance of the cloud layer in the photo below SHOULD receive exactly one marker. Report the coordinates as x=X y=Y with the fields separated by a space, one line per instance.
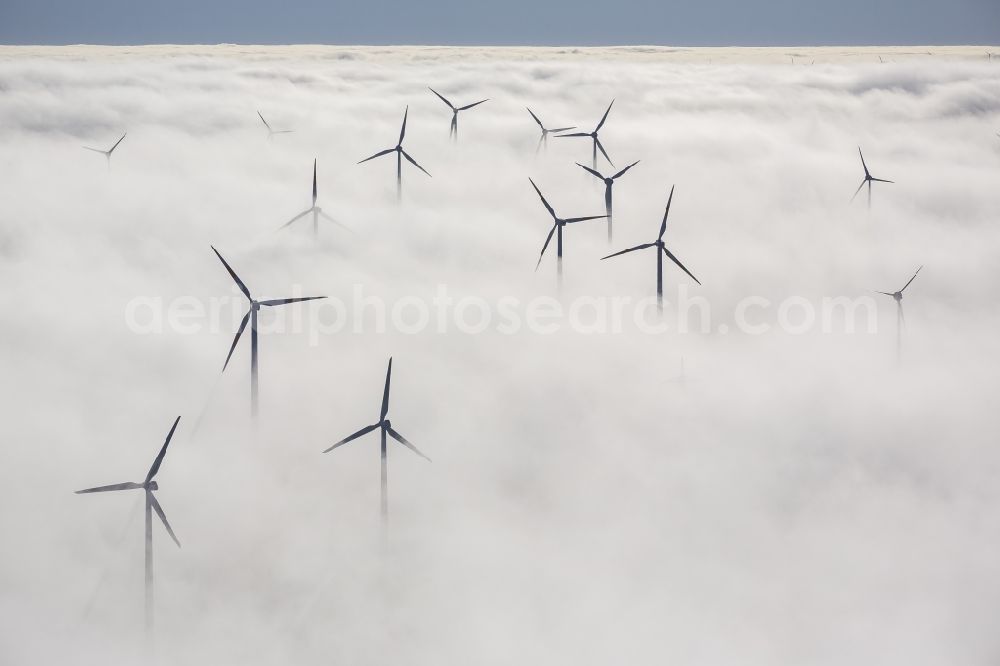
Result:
x=798 y=499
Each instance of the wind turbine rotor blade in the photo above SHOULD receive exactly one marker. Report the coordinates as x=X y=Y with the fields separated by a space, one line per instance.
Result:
x=385 y=391
x=604 y=118
x=339 y=224
x=859 y=189
x=116 y=486
x=264 y=121
x=564 y=136
x=622 y=172
x=865 y=166
x=163 y=451
x=111 y=150
x=163 y=518
x=402 y=130
x=570 y=220
x=884 y=292
x=682 y=267
x=239 y=282
x=442 y=98
x=545 y=203
x=911 y=280
x=297 y=217
x=414 y=162
x=663 y=225
x=881 y=180
x=548 y=239
x=631 y=249
x=351 y=438
x=314 y=181
x=600 y=147
x=96 y=150
x=564 y=129
x=239 y=332
x=469 y=106
x=402 y=440
x=596 y=174
x=378 y=154
x=536 y=118
x=286 y=301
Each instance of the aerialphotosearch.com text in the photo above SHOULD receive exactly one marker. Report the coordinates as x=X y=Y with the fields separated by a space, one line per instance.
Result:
x=445 y=313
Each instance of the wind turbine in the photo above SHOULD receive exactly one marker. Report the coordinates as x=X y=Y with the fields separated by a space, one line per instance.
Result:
x=557 y=228
x=316 y=211
x=661 y=249
x=900 y=320
x=544 y=138
x=400 y=154
x=107 y=153
x=385 y=427
x=868 y=179
x=594 y=137
x=608 y=182
x=453 y=132
x=251 y=316
x=272 y=132
x=148 y=486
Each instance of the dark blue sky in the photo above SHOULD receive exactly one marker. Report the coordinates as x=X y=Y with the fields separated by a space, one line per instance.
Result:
x=503 y=22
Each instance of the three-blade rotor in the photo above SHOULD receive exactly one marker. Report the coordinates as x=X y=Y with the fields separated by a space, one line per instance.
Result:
x=254 y=304
x=383 y=423
x=556 y=221
x=399 y=147
x=148 y=485
x=658 y=243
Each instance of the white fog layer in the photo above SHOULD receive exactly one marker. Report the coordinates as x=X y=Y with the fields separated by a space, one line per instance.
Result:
x=799 y=493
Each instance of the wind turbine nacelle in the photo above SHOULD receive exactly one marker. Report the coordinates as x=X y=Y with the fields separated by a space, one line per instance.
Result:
x=152 y=485
x=387 y=424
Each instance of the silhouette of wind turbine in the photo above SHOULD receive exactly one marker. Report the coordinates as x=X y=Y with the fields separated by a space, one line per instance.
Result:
x=148 y=486
x=557 y=228
x=453 y=132
x=251 y=316
x=400 y=154
x=272 y=132
x=868 y=180
x=608 y=182
x=544 y=138
x=900 y=320
x=316 y=211
x=107 y=153
x=385 y=426
x=593 y=135
x=661 y=249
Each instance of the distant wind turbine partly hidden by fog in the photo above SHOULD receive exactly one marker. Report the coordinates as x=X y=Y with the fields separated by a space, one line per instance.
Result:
x=107 y=153
x=661 y=249
x=148 y=486
x=385 y=428
x=608 y=182
x=251 y=316
x=867 y=181
x=900 y=320
x=316 y=211
x=400 y=154
x=544 y=138
x=557 y=228
x=595 y=139
x=272 y=132
x=453 y=132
